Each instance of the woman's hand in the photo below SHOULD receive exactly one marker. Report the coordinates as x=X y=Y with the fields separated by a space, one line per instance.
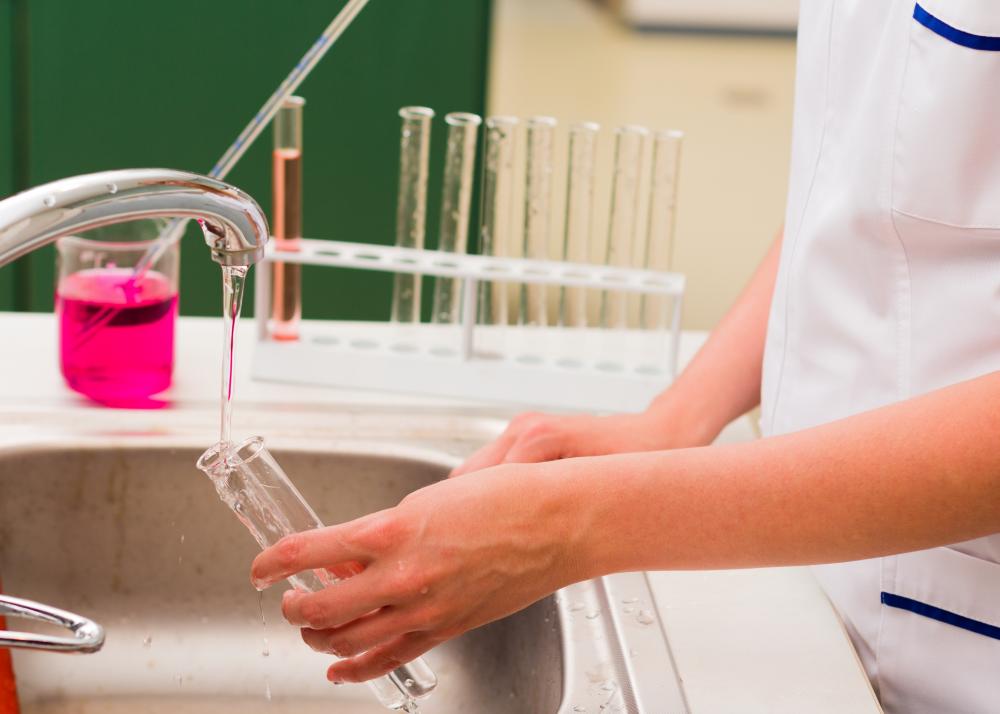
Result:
x=452 y=556
x=532 y=438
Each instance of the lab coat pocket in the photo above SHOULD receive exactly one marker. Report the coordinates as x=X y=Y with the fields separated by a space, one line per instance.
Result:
x=947 y=150
x=939 y=646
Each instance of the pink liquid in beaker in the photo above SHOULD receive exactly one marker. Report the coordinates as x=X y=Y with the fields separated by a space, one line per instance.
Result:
x=116 y=336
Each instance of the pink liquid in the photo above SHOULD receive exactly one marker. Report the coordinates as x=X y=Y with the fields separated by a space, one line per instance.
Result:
x=129 y=355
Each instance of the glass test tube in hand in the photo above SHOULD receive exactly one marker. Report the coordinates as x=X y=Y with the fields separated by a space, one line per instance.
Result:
x=538 y=170
x=659 y=244
x=254 y=486
x=497 y=202
x=577 y=234
x=630 y=141
x=411 y=208
x=286 y=219
x=456 y=202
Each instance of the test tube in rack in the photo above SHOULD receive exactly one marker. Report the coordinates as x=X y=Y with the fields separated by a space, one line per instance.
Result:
x=456 y=202
x=411 y=207
x=286 y=219
x=495 y=223
x=630 y=142
x=658 y=246
x=540 y=149
x=578 y=228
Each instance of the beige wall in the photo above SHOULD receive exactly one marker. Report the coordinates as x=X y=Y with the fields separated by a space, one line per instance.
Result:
x=731 y=95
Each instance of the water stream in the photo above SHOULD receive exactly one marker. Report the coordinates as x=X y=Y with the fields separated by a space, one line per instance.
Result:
x=233 y=286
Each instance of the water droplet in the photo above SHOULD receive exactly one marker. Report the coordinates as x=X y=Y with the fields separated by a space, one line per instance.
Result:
x=408 y=683
x=182 y=540
x=147 y=641
x=266 y=652
x=608 y=687
x=112 y=188
x=49 y=201
x=579 y=708
x=593 y=614
x=630 y=601
x=424 y=590
x=576 y=607
x=267 y=688
x=645 y=618
x=628 y=610
x=180 y=680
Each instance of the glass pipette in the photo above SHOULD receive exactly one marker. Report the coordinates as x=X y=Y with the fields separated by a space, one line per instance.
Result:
x=262 y=118
x=175 y=228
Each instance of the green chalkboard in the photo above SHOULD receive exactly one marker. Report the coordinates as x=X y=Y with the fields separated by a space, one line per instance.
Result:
x=110 y=84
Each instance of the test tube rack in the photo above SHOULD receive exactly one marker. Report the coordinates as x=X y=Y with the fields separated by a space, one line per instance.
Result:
x=550 y=367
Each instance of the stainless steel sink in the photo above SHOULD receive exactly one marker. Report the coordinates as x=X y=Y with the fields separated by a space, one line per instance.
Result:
x=128 y=533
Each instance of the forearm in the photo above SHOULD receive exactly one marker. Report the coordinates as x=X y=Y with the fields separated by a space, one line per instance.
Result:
x=723 y=380
x=914 y=475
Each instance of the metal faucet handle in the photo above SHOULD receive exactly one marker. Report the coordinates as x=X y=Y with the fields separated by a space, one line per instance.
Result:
x=87 y=637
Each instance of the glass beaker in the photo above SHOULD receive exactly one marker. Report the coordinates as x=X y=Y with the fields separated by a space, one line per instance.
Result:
x=256 y=488
x=116 y=330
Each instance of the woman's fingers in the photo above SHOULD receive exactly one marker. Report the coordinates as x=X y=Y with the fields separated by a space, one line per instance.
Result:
x=381 y=660
x=489 y=455
x=361 y=635
x=338 y=604
x=320 y=548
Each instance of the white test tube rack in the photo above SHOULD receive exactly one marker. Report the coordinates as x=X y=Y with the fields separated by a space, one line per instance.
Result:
x=448 y=360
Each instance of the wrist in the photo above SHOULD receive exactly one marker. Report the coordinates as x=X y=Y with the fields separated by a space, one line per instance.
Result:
x=568 y=517
x=683 y=418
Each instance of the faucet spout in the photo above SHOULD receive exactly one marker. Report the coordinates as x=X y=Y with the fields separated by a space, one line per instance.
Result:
x=234 y=225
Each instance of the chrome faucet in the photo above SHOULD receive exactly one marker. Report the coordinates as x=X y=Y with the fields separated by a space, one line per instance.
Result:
x=235 y=230
x=234 y=225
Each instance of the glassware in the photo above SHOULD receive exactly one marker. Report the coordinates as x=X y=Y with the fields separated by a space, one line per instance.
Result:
x=495 y=220
x=577 y=234
x=254 y=486
x=456 y=202
x=286 y=219
x=116 y=335
x=260 y=120
x=411 y=208
x=659 y=243
x=540 y=137
x=630 y=142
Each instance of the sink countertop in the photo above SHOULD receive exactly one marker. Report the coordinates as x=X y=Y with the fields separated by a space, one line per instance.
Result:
x=763 y=640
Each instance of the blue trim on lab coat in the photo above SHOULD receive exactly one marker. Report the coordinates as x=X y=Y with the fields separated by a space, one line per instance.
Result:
x=936 y=613
x=959 y=37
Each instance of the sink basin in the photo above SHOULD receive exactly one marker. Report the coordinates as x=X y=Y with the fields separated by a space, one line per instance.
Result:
x=129 y=533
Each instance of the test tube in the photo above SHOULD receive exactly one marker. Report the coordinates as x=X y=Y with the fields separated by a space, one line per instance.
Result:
x=411 y=208
x=537 y=212
x=497 y=202
x=250 y=481
x=286 y=219
x=456 y=201
x=630 y=141
x=659 y=244
x=579 y=217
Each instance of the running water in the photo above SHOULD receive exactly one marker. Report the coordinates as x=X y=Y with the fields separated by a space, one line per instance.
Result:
x=233 y=285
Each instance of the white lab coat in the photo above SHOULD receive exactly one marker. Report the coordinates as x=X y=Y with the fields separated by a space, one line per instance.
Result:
x=889 y=287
